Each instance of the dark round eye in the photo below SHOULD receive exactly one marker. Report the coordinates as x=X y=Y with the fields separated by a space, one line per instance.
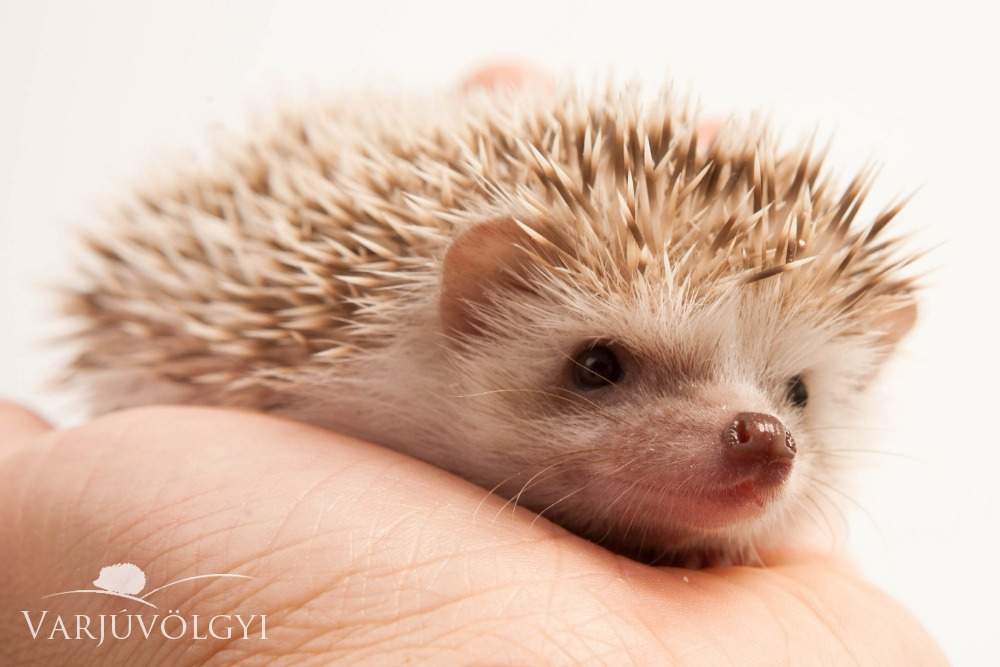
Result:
x=596 y=367
x=797 y=392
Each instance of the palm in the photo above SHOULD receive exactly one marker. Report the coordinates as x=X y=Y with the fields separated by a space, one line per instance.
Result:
x=359 y=553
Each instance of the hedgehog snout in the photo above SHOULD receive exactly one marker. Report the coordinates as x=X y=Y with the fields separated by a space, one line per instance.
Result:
x=754 y=439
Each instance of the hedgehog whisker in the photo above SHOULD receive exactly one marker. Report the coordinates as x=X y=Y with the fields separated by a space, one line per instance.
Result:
x=606 y=511
x=847 y=452
x=846 y=496
x=564 y=459
x=585 y=485
x=514 y=499
x=820 y=514
x=573 y=396
x=822 y=429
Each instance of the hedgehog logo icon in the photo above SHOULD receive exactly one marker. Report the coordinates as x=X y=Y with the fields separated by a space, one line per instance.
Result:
x=127 y=580
x=121 y=578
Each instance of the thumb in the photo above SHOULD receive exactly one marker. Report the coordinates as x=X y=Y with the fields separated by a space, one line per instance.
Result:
x=504 y=74
x=18 y=426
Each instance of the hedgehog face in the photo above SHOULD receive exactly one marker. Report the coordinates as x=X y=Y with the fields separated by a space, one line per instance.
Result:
x=654 y=422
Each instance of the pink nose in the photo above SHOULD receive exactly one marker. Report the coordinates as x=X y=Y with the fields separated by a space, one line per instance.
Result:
x=754 y=437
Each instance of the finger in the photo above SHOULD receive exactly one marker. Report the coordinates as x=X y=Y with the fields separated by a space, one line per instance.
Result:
x=507 y=74
x=708 y=130
x=18 y=426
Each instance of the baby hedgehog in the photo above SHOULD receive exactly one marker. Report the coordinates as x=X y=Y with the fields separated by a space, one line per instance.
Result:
x=561 y=295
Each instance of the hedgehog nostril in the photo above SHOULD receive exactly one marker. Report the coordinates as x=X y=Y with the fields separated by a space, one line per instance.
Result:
x=754 y=437
x=742 y=431
x=790 y=442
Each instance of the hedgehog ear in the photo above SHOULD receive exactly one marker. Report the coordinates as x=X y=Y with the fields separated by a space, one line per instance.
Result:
x=487 y=257
x=895 y=325
x=892 y=326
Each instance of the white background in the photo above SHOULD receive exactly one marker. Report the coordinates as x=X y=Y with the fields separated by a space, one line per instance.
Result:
x=93 y=95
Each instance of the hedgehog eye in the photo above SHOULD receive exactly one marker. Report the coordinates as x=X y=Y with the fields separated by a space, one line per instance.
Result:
x=596 y=367
x=797 y=392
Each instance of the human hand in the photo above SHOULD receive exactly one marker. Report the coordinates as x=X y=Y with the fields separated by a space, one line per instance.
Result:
x=360 y=555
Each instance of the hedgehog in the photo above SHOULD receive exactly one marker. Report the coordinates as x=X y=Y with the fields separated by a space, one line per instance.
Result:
x=565 y=295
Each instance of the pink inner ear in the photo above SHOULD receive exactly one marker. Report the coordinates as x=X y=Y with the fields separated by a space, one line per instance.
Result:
x=482 y=259
x=895 y=324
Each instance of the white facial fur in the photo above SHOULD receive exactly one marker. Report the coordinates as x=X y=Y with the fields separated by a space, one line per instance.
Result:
x=634 y=466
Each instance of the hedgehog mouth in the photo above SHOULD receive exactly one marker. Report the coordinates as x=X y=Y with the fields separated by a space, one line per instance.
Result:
x=749 y=494
x=756 y=490
x=715 y=504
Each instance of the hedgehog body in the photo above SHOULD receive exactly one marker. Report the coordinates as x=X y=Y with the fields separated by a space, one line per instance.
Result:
x=434 y=276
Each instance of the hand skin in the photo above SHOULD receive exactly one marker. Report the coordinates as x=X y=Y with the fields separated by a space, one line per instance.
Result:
x=362 y=556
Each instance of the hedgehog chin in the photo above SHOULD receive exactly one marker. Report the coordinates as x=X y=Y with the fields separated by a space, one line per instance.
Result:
x=735 y=544
x=717 y=527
